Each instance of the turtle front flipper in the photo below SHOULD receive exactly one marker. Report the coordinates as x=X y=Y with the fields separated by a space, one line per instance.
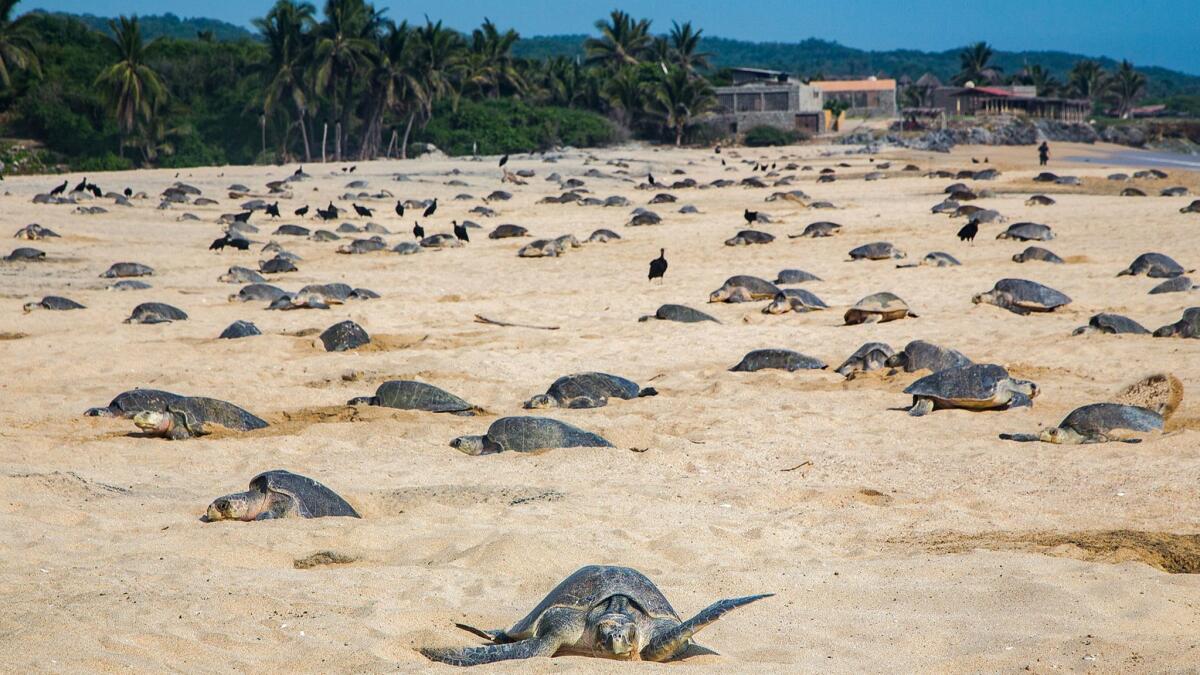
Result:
x=475 y=656
x=583 y=402
x=666 y=645
x=1020 y=400
x=496 y=635
x=1021 y=438
x=921 y=406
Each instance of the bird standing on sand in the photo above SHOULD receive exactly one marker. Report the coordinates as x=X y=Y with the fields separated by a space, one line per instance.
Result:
x=272 y=210
x=503 y=160
x=128 y=192
x=750 y=216
x=658 y=266
x=650 y=177
x=82 y=185
x=400 y=208
x=460 y=231
x=243 y=217
x=362 y=211
x=968 y=231
x=59 y=190
x=418 y=231
x=299 y=172
x=432 y=208
x=302 y=211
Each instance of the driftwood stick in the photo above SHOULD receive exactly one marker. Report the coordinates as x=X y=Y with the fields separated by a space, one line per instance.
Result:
x=479 y=318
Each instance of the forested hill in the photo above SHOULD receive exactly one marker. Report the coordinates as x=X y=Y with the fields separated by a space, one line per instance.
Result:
x=813 y=57
x=171 y=26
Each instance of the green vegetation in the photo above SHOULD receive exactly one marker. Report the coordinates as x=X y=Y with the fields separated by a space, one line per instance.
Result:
x=762 y=136
x=507 y=126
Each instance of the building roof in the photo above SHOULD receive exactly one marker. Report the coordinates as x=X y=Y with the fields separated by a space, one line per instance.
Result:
x=854 y=85
x=759 y=71
x=990 y=91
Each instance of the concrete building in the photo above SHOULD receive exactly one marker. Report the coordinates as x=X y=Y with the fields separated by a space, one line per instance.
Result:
x=1009 y=100
x=771 y=98
x=872 y=97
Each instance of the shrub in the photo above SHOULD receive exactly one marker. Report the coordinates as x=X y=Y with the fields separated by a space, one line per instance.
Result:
x=762 y=136
x=509 y=126
x=105 y=162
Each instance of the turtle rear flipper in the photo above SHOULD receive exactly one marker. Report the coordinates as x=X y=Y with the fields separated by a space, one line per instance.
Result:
x=475 y=656
x=648 y=391
x=583 y=402
x=1019 y=400
x=668 y=644
x=496 y=635
x=1021 y=438
x=921 y=406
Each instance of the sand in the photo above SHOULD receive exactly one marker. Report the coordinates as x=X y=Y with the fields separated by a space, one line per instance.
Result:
x=893 y=544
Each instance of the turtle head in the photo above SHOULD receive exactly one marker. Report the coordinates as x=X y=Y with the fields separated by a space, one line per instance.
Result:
x=1055 y=435
x=30 y=306
x=469 y=445
x=1026 y=387
x=779 y=305
x=616 y=636
x=980 y=297
x=539 y=401
x=238 y=506
x=718 y=295
x=154 y=422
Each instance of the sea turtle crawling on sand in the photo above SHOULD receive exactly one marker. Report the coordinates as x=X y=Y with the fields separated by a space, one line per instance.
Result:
x=1174 y=285
x=54 y=302
x=1188 y=325
x=258 y=292
x=879 y=250
x=241 y=275
x=1021 y=296
x=1111 y=323
x=878 y=308
x=922 y=355
x=129 y=403
x=793 y=276
x=1027 y=232
x=981 y=386
x=127 y=269
x=679 y=313
x=744 y=288
x=602 y=611
x=1098 y=423
x=280 y=494
x=748 y=237
x=156 y=312
x=239 y=329
x=794 y=300
x=602 y=236
x=587 y=390
x=870 y=356
x=1037 y=253
x=527 y=434
x=542 y=248
x=192 y=416
x=1194 y=207
x=413 y=395
x=26 y=254
x=506 y=231
x=777 y=359
x=819 y=229
x=1153 y=265
x=1040 y=200
x=933 y=259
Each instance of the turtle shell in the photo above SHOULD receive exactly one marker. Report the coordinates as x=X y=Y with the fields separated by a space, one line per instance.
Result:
x=887 y=305
x=156 y=312
x=201 y=410
x=1099 y=418
x=1115 y=323
x=778 y=359
x=1154 y=265
x=1027 y=232
x=794 y=276
x=680 y=313
x=313 y=500
x=134 y=401
x=1031 y=295
x=526 y=434
x=968 y=386
x=506 y=231
x=413 y=395
x=591 y=385
x=592 y=585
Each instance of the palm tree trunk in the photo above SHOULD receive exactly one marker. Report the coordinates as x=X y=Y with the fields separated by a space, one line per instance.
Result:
x=391 y=145
x=678 y=136
x=324 y=137
x=304 y=133
x=407 y=129
x=337 y=142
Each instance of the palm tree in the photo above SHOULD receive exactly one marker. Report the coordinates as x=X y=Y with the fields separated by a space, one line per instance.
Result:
x=975 y=65
x=16 y=44
x=622 y=41
x=438 y=64
x=394 y=85
x=1040 y=78
x=344 y=48
x=1086 y=79
x=625 y=93
x=490 y=60
x=286 y=30
x=678 y=99
x=134 y=91
x=685 y=47
x=1125 y=87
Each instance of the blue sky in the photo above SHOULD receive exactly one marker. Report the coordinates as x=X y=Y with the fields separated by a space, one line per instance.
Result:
x=1149 y=32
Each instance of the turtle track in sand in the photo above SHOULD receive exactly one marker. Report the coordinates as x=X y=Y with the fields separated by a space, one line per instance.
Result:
x=1166 y=551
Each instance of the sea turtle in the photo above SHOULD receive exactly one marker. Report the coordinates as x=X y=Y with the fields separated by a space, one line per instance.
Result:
x=748 y=237
x=1021 y=296
x=192 y=416
x=979 y=386
x=344 y=336
x=156 y=312
x=292 y=231
x=587 y=390
x=933 y=259
x=1175 y=285
x=127 y=269
x=644 y=218
x=239 y=329
x=602 y=611
x=602 y=236
x=778 y=359
x=1132 y=192
x=879 y=250
x=258 y=292
x=878 y=308
x=1177 y=191
x=277 y=265
x=527 y=434
x=1188 y=325
x=1036 y=253
x=360 y=246
x=793 y=276
x=664 y=198
x=1098 y=423
x=323 y=235
x=506 y=231
x=794 y=300
x=129 y=403
x=743 y=288
x=241 y=275
x=54 y=302
x=822 y=228
x=34 y=232
x=1040 y=200
x=1153 y=265
x=1111 y=323
x=680 y=313
x=406 y=248
x=1027 y=232
x=1150 y=174
x=128 y=285
x=441 y=241
x=413 y=395
x=1194 y=207
x=922 y=355
x=280 y=494
x=26 y=254
x=1118 y=176
x=870 y=356
x=945 y=206
x=542 y=248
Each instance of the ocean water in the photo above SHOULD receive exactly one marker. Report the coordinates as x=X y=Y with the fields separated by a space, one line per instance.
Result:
x=1145 y=158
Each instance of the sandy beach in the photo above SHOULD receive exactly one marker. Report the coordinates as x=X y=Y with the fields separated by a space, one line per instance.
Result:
x=892 y=543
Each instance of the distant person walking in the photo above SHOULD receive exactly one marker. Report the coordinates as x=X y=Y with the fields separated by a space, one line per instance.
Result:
x=1043 y=153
